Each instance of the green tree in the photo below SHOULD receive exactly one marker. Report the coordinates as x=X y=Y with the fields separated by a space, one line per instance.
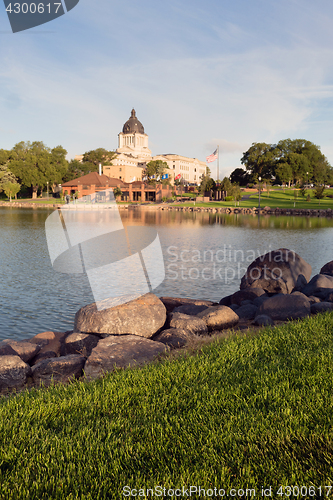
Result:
x=318 y=192
x=283 y=173
x=92 y=159
x=11 y=189
x=35 y=165
x=226 y=186
x=240 y=176
x=74 y=171
x=259 y=159
x=155 y=169
x=117 y=192
x=207 y=184
x=235 y=192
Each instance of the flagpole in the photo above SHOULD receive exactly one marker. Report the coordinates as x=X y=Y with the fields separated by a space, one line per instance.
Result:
x=218 y=159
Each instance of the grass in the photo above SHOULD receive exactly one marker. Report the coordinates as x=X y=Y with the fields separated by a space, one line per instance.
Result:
x=242 y=412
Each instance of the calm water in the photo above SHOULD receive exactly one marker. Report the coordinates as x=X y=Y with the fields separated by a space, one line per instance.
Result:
x=205 y=256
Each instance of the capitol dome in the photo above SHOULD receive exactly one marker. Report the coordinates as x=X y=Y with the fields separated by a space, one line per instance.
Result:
x=133 y=125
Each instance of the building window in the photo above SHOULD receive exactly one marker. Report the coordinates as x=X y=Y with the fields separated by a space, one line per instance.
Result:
x=120 y=170
x=120 y=177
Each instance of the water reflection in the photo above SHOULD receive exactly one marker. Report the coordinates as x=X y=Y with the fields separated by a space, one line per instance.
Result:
x=34 y=298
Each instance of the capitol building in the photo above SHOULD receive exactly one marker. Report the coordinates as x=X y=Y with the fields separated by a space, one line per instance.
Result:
x=133 y=154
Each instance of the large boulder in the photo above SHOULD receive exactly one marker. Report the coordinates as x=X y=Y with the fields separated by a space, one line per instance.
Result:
x=143 y=317
x=13 y=373
x=247 y=294
x=25 y=350
x=321 y=307
x=327 y=268
x=282 y=307
x=276 y=272
x=121 y=351
x=60 y=369
x=321 y=285
x=190 y=324
x=219 y=318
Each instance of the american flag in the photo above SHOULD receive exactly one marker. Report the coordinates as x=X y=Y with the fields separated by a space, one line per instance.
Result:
x=212 y=157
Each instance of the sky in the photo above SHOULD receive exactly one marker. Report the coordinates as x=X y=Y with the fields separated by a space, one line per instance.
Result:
x=198 y=73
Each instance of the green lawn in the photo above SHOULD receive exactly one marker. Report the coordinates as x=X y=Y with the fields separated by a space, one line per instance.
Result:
x=244 y=412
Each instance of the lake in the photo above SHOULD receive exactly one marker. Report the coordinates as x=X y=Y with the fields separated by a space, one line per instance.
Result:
x=205 y=256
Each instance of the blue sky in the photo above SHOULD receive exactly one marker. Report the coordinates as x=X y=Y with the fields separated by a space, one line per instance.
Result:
x=198 y=73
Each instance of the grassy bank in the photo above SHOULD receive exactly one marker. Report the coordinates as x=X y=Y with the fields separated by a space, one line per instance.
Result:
x=253 y=411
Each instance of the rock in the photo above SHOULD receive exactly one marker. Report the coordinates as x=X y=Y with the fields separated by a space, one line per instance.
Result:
x=190 y=324
x=260 y=300
x=79 y=343
x=172 y=302
x=300 y=294
x=246 y=302
x=225 y=301
x=282 y=307
x=276 y=272
x=43 y=355
x=143 y=317
x=263 y=320
x=219 y=317
x=60 y=369
x=248 y=311
x=45 y=338
x=121 y=351
x=320 y=307
x=313 y=299
x=25 y=350
x=321 y=285
x=300 y=283
x=246 y=294
x=234 y=307
x=6 y=349
x=329 y=297
x=50 y=342
x=327 y=269
x=174 y=338
x=190 y=309
x=13 y=373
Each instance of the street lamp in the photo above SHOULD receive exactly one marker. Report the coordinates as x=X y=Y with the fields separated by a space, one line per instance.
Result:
x=259 y=179
x=307 y=179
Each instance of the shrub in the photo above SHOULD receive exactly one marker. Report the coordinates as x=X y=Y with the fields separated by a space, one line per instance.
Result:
x=229 y=198
x=308 y=198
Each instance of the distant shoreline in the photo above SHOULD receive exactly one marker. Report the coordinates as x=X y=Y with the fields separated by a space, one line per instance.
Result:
x=179 y=208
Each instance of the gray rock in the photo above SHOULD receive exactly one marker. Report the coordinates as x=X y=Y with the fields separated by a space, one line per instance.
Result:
x=172 y=302
x=246 y=294
x=327 y=269
x=25 y=350
x=225 y=301
x=321 y=285
x=43 y=355
x=300 y=283
x=300 y=294
x=260 y=300
x=320 y=307
x=13 y=373
x=248 y=311
x=121 y=351
x=219 y=318
x=60 y=369
x=234 y=307
x=190 y=309
x=143 y=317
x=190 y=324
x=313 y=299
x=263 y=320
x=282 y=307
x=79 y=343
x=329 y=297
x=246 y=302
x=174 y=338
x=276 y=272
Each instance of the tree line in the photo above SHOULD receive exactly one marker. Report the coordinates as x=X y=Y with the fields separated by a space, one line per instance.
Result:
x=289 y=162
x=31 y=167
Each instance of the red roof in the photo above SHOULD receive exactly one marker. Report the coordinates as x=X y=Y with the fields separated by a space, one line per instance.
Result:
x=95 y=179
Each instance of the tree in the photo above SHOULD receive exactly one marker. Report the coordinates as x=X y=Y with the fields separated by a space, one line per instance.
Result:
x=240 y=176
x=207 y=184
x=155 y=169
x=283 y=173
x=11 y=189
x=117 y=192
x=235 y=192
x=74 y=171
x=226 y=186
x=318 y=192
x=92 y=159
x=259 y=159
x=268 y=186
x=35 y=165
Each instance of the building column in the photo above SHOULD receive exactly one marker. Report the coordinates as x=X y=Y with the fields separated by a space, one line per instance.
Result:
x=143 y=193
x=130 y=192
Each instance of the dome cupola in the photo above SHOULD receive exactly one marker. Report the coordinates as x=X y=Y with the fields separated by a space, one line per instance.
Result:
x=133 y=125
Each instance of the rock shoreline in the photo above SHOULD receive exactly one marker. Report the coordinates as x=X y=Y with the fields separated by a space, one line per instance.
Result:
x=179 y=208
x=275 y=288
